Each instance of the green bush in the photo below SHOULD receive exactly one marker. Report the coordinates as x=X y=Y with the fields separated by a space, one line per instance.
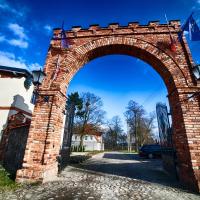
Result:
x=75 y=148
x=78 y=148
x=6 y=183
x=81 y=148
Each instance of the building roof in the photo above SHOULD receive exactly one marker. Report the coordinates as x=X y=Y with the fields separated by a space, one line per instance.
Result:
x=15 y=71
x=89 y=129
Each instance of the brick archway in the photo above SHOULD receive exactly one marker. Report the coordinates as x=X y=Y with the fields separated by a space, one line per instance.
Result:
x=149 y=43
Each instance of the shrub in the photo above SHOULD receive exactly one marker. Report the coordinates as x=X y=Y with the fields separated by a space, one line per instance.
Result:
x=6 y=183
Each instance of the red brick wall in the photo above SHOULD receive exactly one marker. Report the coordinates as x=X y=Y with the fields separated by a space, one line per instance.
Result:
x=4 y=74
x=151 y=43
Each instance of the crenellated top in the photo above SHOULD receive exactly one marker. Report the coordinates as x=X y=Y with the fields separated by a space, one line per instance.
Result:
x=115 y=29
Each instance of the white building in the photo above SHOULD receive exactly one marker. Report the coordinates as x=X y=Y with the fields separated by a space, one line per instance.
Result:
x=91 y=142
x=15 y=95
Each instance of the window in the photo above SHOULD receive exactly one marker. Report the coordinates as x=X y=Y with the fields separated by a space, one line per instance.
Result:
x=91 y=137
x=76 y=137
x=86 y=137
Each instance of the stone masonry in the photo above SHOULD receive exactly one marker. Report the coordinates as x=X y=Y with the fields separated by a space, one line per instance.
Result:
x=150 y=43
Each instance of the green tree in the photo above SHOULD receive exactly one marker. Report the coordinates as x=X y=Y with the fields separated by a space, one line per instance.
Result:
x=73 y=106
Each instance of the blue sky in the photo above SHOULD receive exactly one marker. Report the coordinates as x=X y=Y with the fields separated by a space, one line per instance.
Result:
x=26 y=28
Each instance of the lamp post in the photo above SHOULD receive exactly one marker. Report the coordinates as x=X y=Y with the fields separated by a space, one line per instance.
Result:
x=37 y=78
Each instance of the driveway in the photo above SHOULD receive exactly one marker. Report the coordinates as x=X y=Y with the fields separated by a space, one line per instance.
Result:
x=130 y=165
x=108 y=176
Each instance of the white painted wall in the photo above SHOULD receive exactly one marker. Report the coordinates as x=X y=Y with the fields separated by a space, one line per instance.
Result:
x=13 y=93
x=91 y=143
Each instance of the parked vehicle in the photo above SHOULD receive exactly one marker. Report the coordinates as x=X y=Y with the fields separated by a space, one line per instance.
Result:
x=150 y=151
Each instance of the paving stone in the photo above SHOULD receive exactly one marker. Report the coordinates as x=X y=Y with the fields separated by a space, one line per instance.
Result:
x=81 y=184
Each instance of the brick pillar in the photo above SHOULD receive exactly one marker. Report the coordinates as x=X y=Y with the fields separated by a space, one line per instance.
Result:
x=43 y=144
x=186 y=137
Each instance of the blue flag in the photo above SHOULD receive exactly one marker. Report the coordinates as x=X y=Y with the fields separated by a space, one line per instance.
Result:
x=64 y=41
x=192 y=27
x=185 y=27
x=194 y=31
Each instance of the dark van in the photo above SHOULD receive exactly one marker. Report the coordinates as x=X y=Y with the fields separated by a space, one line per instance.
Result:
x=150 y=151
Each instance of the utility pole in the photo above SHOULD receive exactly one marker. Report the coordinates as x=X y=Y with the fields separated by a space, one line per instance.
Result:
x=129 y=138
x=136 y=138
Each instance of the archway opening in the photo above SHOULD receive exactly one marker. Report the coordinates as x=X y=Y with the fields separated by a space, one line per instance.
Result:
x=117 y=79
x=123 y=76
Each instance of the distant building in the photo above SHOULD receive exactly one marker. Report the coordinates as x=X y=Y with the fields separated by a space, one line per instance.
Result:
x=16 y=92
x=92 y=140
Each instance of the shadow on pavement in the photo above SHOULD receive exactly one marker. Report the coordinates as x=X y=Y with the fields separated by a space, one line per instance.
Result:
x=132 y=166
x=122 y=156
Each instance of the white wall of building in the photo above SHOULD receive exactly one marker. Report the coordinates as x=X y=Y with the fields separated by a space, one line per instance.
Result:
x=14 y=94
x=89 y=141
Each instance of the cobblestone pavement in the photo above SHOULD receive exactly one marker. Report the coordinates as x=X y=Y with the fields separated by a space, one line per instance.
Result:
x=79 y=183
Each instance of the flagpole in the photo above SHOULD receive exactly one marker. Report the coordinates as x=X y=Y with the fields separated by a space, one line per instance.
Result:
x=167 y=23
x=172 y=45
x=168 y=26
x=58 y=59
x=62 y=28
x=54 y=76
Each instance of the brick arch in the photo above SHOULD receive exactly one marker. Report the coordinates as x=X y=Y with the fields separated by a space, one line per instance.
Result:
x=159 y=59
x=166 y=66
x=149 y=43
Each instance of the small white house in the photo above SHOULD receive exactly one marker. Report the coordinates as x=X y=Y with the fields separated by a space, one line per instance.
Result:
x=15 y=95
x=92 y=142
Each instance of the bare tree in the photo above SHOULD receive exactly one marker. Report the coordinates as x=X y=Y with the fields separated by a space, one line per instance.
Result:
x=114 y=134
x=133 y=116
x=140 y=125
x=90 y=114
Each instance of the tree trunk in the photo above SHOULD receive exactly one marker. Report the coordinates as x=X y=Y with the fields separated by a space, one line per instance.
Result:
x=86 y=116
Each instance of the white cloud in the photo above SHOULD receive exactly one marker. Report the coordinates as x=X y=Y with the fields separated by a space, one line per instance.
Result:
x=21 y=40
x=7 y=54
x=48 y=29
x=18 y=42
x=9 y=59
x=17 y=30
x=2 y=38
x=6 y=7
x=14 y=42
x=34 y=66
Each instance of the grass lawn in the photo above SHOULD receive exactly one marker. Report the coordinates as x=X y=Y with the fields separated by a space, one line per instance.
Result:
x=6 y=183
